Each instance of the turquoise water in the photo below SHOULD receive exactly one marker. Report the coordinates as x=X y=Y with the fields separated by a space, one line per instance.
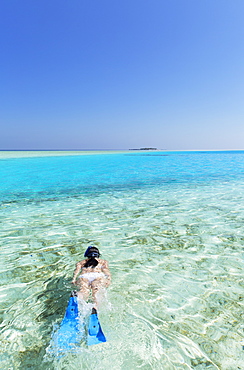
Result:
x=171 y=226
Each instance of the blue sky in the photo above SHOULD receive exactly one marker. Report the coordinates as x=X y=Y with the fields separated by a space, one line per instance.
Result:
x=109 y=74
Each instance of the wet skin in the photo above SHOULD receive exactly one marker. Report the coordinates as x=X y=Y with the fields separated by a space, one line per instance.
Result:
x=100 y=282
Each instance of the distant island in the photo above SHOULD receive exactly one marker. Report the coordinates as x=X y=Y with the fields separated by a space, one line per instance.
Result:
x=145 y=149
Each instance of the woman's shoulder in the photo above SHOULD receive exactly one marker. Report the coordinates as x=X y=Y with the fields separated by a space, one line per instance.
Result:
x=81 y=263
x=103 y=262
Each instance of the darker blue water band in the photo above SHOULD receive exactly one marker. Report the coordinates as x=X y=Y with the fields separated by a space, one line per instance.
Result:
x=50 y=178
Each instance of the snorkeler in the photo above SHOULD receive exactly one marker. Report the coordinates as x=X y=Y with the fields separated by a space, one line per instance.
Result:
x=95 y=275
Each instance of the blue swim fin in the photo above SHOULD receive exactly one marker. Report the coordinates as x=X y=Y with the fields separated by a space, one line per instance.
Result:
x=68 y=334
x=95 y=334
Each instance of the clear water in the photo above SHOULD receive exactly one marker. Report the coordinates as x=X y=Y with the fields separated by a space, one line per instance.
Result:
x=171 y=226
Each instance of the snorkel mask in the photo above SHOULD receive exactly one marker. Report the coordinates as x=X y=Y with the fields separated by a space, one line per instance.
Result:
x=92 y=252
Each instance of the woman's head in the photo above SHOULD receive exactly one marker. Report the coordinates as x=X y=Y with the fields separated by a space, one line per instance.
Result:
x=92 y=252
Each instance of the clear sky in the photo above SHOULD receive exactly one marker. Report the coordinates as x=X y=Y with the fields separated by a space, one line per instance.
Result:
x=113 y=74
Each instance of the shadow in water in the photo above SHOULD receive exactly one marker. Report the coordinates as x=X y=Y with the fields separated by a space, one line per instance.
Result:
x=54 y=299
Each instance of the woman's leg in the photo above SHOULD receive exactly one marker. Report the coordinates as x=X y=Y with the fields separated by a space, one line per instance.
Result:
x=97 y=287
x=84 y=288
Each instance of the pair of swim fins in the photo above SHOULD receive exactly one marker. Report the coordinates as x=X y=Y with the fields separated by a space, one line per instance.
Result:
x=71 y=331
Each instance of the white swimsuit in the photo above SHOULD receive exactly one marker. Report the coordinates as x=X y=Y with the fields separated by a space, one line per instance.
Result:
x=90 y=276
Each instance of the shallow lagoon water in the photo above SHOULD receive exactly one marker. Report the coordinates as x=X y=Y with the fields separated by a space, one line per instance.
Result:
x=171 y=226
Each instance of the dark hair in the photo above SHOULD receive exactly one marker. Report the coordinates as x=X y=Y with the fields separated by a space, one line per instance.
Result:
x=92 y=253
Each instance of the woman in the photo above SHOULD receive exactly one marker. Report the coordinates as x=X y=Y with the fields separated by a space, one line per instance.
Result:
x=95 y=274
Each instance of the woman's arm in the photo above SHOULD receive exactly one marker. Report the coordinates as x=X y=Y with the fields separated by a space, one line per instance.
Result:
x=107 y=273
x=76 y=272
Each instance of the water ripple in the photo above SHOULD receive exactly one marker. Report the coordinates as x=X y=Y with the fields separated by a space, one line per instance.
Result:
x=176 y=256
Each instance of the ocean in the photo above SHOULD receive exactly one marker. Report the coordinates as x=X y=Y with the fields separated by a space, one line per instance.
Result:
x=170 y=224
